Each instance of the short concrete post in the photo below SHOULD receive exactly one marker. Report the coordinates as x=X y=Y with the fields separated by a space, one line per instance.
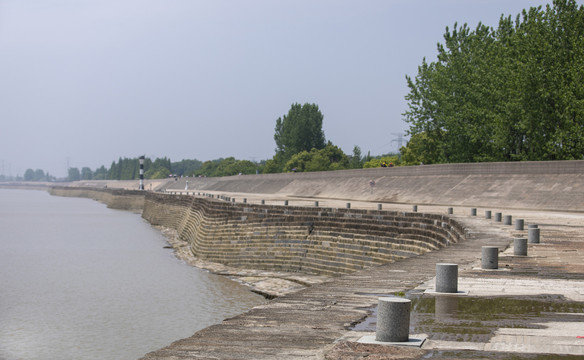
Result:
x=415 y=208
x=245 y=200
x=519 y=224
x=450 y=211
x=286 y=202
x=508 y=220
x=379 y=207
x=533 y=235
x=348 y=205
x=393 y=319
x=473 y=211
x=446 y=278
x=520 y=247
x=532 y=226
x=233 y=200
x=316 y=204
x=498 y=216
x=487 y=214
x=263 y=202
x=490 y=257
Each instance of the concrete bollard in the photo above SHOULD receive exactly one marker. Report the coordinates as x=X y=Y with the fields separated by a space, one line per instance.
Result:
x=263 y=202
x=507 y=220
x=490 y=257
x=487 y=214
x=533 y=235
x=245 y=200
x=316 y=204
x=446 y=278
x=498 y=216
x=473 y=211
x=233 y=200
x=393 y=319
x=532 y=226
x=348 y=205
x=415 y=208
x=520 y=247
x=286 y=202
x=379 y=207
x=450 y=211
x=519 y=224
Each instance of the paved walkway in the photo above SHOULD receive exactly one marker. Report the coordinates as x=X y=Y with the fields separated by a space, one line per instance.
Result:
x=532 y=305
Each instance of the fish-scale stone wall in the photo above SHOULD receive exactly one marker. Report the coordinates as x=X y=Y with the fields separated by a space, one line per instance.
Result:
x=298 y=239
x=131 y=200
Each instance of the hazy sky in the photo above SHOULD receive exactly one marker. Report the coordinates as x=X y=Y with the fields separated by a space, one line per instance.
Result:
x=84 y=82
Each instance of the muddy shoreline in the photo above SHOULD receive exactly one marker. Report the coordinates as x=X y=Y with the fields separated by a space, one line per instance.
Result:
x=269 y=284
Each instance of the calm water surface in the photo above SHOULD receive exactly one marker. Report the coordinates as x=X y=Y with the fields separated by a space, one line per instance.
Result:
x=80 y=281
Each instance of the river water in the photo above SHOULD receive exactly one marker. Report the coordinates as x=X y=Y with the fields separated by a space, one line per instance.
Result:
x=81 y=281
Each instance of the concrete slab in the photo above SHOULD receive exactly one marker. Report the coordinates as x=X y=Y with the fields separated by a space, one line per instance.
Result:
x=453 y=345
x=414 y=340
x=571 y=289
x=436 y=293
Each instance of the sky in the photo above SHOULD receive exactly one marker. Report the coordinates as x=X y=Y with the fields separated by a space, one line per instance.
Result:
x=85 y=82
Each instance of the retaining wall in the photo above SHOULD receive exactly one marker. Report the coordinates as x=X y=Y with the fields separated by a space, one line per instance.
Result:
x=541 y=185
x=131 y=200
x=298 y=239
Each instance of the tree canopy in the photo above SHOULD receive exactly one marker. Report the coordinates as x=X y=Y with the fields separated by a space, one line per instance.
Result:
x=300 y=130
x=226 y=167
x=331 y=157
x=510 y=93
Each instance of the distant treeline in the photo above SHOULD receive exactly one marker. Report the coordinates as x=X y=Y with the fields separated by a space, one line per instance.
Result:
x=329 y=158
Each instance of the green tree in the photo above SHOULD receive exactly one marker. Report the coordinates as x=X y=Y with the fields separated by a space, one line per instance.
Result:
x=299 y=130
x=421 y=149
x=208 y=168
x=511 y=93
x=158 y=169
x=273 y=165
x=39 y=175
x=73 y=174
x=329 y=158
x=377 y=161
x=356 y=159
x=86 y=173
x=29 y=175
x=186 y=167
x=100 y=173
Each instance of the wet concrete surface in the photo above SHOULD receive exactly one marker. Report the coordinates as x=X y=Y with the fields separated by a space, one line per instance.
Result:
x=530 y=308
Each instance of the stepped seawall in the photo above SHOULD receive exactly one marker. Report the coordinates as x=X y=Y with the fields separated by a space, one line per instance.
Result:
x=324 y=241
x=120 y=199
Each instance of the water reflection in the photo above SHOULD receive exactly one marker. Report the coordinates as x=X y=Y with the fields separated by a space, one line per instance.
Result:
x=445 y=307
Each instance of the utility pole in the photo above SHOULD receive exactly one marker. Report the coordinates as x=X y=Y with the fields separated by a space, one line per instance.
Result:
x=399 y=139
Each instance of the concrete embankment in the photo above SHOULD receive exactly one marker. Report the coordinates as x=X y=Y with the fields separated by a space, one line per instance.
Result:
x=131 y=200
x=325 y=321
x=542 y=185
x=324 y=241
x=320 y=322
